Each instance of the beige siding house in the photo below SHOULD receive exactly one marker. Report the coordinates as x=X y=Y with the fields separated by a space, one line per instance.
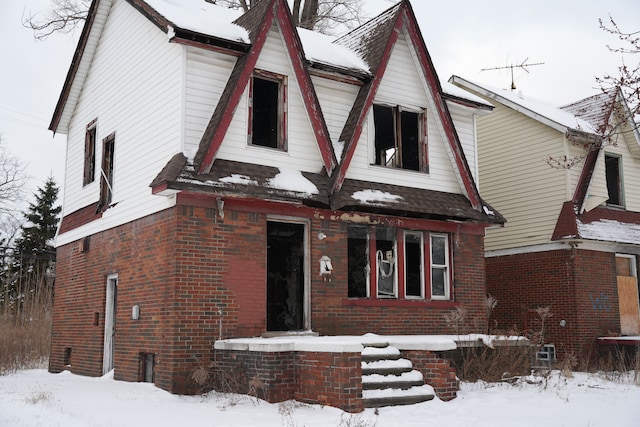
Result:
x=566 y=179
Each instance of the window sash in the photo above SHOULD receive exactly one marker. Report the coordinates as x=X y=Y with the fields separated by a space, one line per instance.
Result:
x=267 y=110
x=400 y=138
x=89 y=171
x=414 y=265
x=439 y=266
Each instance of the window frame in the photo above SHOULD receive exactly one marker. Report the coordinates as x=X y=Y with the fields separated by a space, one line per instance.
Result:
x=619 y=179
x=380 y=132
x=401 y=270
x=90 y=139
x=107 y=177
x=446 y=267
x=281 y=107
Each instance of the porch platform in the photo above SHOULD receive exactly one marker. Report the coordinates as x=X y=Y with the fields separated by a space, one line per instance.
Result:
x=632 y=341
x=328 y=370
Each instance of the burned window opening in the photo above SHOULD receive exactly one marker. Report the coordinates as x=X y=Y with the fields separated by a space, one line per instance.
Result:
x=398 y=139
x=614 y=181
x=358 y=261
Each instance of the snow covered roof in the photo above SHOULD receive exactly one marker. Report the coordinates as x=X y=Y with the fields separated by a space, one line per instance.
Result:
x=202 y=17
x=555 y=117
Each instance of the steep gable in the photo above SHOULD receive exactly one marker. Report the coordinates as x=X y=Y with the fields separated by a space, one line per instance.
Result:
x=261 y=21
x=376 y=42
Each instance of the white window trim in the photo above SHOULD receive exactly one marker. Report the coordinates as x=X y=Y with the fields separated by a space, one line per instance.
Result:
x=446 y=266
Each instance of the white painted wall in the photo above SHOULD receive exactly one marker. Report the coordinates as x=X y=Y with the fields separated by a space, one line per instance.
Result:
x=134 y=62
x=403 y=84
x=303 y=153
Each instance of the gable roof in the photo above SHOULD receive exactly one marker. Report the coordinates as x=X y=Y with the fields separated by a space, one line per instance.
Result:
x=258 y=21
x=375 y=41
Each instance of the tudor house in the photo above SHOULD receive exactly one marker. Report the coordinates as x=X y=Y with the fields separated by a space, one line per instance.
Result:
x=231 y=176
x=566 y=179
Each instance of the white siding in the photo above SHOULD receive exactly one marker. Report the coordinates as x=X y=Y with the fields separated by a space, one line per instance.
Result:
x=403 y=84
x=134 y=61
x=206 y=76
x=303 y=152
x=336 y=99
x=464 y=122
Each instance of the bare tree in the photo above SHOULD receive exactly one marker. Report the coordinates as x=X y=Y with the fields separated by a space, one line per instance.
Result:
x=626 y=81
x=62 y=16
x=12 y=179
x=325 y=16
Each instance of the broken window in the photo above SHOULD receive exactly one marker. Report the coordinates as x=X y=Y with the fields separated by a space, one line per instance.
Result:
x=89 y=153
x=386 y=262
x=413 y=270
x=399 y=138
x=358 y=253
x=417 y=282
x=613 y=168
x=106 y=172
x=267 y=110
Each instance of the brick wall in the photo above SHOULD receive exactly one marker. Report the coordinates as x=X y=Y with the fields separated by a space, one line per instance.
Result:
x=198 y=276
x=333 y=379
x=437 y=372
x=578 y=285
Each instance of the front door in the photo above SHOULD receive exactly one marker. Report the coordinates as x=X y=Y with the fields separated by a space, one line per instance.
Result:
x=285 y=276
x=110 y=323
x=628 y=295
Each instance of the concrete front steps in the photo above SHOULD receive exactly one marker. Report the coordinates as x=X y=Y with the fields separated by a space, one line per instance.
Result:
x=389 y=380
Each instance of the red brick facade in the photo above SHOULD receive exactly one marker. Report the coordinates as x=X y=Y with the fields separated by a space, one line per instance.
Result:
x=197 y=275
x=578 y=285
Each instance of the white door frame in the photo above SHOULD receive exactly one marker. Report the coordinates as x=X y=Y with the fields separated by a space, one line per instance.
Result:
x=109 y=322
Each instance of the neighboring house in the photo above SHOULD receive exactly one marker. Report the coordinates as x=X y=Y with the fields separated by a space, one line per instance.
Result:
x=234 y=179
x=566 y=178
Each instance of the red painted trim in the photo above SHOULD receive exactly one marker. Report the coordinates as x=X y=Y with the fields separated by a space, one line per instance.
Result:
x=635 y=341
x=403 y=303
x=372 y=88
x=293 y=209
x=307 y=90
x=373 y=264
x=443 y=111
x=400 y=265
x=427 y=266
x=238 y=90
x=79 y=218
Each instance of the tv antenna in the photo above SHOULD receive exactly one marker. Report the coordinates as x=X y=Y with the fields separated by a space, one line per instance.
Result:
x=522 y=65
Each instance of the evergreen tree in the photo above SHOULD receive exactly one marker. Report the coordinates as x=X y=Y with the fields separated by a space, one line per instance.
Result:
x=34 y=254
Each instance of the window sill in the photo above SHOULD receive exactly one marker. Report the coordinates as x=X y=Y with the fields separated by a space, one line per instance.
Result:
x=367 y=302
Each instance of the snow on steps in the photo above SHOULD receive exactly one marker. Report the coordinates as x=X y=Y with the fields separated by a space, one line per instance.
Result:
x=390 y=380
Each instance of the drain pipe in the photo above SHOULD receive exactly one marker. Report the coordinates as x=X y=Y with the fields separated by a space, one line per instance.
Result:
x=220 y=330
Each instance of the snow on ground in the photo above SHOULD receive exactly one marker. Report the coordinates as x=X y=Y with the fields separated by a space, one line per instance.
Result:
x=38 y=398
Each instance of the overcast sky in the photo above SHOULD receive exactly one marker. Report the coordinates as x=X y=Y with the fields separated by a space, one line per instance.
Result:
x=462 y=37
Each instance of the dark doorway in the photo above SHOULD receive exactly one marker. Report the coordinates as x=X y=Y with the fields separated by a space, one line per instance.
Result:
x=285 y=276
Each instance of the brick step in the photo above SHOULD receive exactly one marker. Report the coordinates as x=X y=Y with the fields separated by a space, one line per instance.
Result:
x=370 y=354
x=404 y=381
x=386 y=367
x=394 y=397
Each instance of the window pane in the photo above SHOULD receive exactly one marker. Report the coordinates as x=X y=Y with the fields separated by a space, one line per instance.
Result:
x=438 y=250
x=614 y=187
x=413 y=264
x=438 y=282
x=264 y=130
x=385 y=144
x=358 y=262
x=386 y=261
x=410 y=141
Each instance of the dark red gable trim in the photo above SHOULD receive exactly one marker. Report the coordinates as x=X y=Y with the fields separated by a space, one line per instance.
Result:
x=277 y=9
x=80 y=217
x=372 y=88
x=566 y=226
x=443 y=111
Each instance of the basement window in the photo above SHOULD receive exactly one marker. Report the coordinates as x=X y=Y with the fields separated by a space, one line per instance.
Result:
x=399 y=139
x=613 y=171
x=267 y=110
